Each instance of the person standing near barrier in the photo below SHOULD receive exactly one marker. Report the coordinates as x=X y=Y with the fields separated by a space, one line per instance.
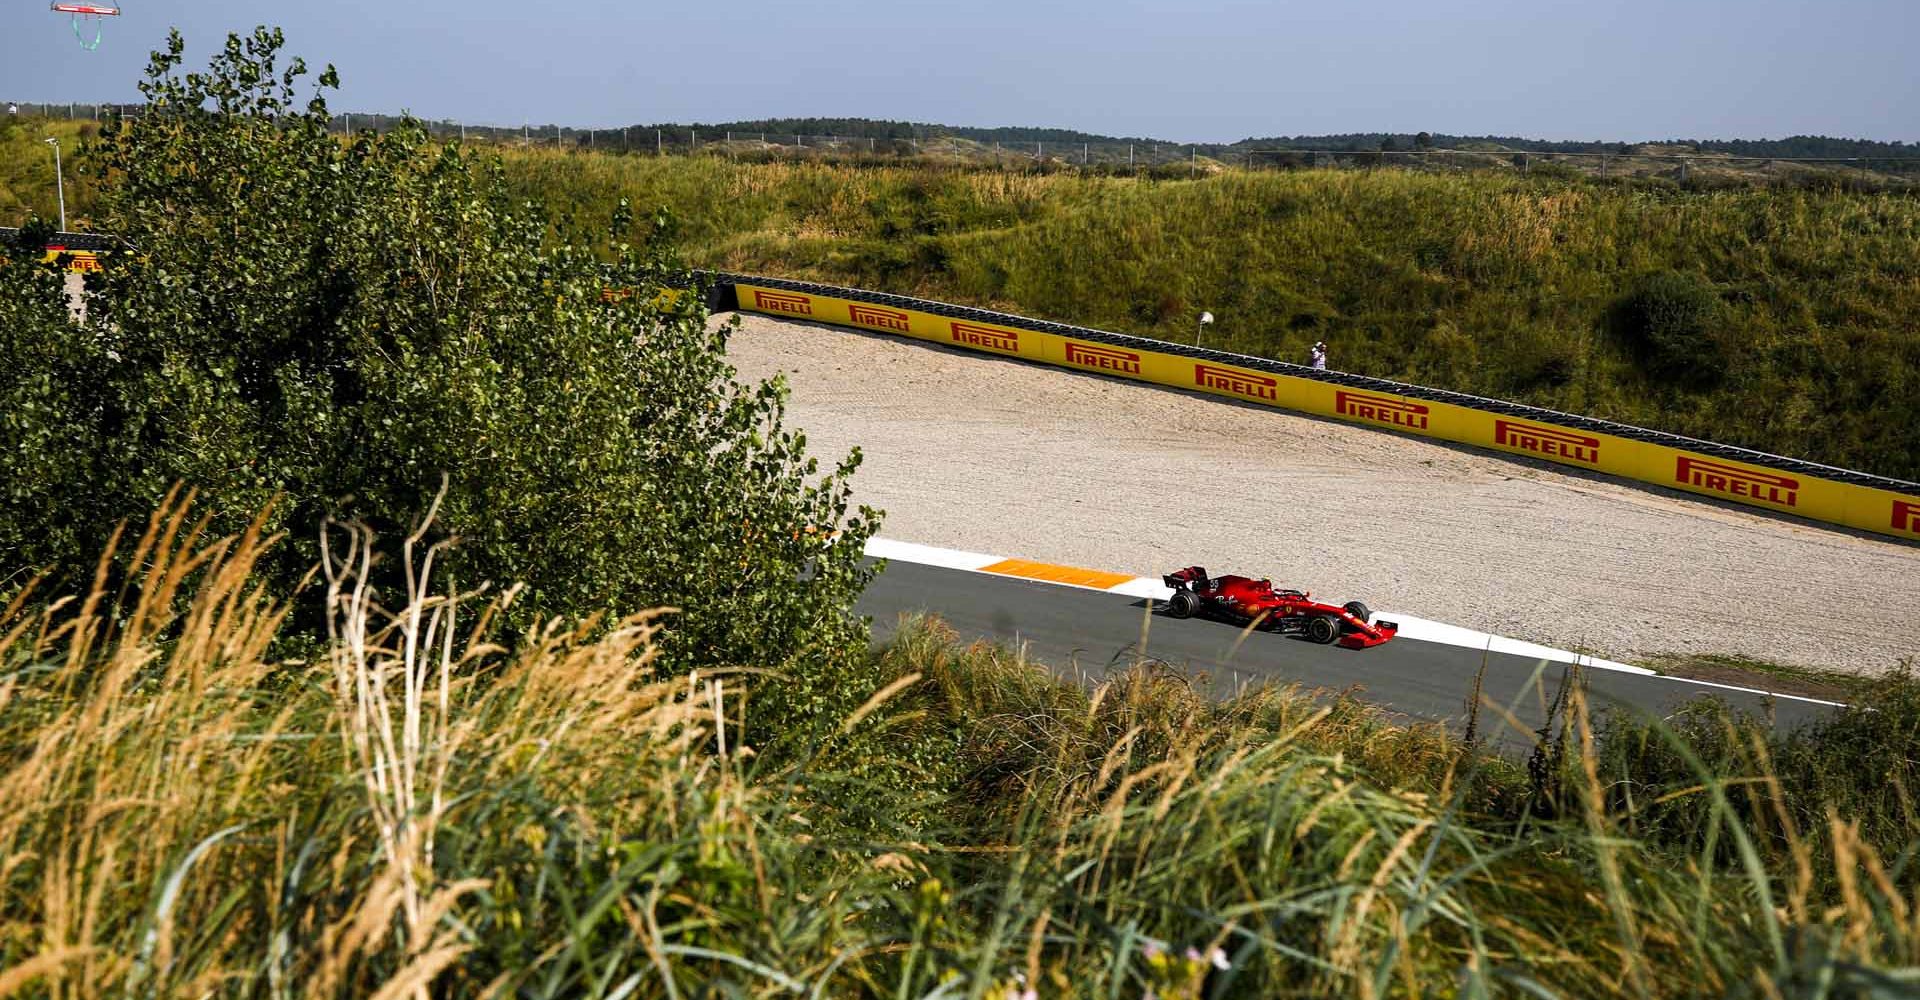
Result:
x=1318 y=359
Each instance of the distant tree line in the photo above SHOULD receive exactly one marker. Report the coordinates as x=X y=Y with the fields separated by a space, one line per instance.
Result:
x=869 y=128
x=1815 y=146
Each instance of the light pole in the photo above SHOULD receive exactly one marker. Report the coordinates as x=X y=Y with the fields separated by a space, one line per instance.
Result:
x=1206 y=318
x=59 y=183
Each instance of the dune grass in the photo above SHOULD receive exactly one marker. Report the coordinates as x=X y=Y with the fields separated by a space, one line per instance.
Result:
x=202 y=803
x=1781 y=318
x=1802 y=340
x=26 y=171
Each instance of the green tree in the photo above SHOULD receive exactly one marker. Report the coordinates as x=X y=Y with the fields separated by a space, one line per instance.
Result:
x=340 y=324
x=47 y=415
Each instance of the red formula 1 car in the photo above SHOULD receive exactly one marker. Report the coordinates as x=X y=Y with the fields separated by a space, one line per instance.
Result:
x=1243 y=600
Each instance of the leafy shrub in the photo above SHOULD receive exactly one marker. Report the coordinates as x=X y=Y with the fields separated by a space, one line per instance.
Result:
x=1667 y=320
x=339 y=325
x=45 y=445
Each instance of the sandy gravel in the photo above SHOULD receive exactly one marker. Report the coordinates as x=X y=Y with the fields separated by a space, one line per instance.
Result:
x=992 y=455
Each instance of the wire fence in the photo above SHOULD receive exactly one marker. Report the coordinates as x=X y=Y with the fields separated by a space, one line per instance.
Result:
x=1196 y=157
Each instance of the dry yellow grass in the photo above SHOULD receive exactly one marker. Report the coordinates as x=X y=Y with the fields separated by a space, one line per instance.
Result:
x=418 y=810
x=161 y=787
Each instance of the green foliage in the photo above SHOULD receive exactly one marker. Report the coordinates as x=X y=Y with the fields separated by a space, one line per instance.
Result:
x=27 y=187
x=327 y=329
x=1398 y=271
x=1791 y=146
x=868 y=128
x=1668 y=320
x=1487 y=284
x=47 y=411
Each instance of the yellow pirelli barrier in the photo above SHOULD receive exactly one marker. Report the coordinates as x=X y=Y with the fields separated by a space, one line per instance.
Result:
x=1855 y=506
x=77 y=261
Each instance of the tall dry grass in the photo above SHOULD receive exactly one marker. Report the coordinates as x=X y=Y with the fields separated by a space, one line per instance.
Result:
x=1327 y=851
x=195 y=816
x=201 y=803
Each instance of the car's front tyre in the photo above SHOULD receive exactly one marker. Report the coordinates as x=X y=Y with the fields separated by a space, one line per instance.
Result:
x=1322 y=629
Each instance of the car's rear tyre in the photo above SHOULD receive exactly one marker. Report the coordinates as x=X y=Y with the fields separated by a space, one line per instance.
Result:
x=1183 y=604
x=1322 y=629
x=1358 y=610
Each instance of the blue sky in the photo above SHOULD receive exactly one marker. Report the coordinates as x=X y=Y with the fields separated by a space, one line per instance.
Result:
x=1205 y=70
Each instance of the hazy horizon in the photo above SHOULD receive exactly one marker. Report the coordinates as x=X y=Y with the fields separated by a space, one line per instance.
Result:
x=1215 y=71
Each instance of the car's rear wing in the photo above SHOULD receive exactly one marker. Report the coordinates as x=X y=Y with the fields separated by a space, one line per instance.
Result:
x=1191 y=578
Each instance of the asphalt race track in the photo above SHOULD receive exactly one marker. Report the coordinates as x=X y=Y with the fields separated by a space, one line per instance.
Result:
x=1079 y=632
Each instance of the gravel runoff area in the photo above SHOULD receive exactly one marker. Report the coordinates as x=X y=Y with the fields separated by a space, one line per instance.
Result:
x=995 y=455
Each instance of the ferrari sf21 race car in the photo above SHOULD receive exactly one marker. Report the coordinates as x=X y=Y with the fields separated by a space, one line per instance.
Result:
x=1244 y=600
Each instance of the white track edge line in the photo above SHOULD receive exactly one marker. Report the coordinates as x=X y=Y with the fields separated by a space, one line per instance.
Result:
x=1412 y=626
x=927 y=555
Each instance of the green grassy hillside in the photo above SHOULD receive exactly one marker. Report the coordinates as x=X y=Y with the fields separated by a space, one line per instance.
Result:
x=1780 y=318
x=26 y=171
